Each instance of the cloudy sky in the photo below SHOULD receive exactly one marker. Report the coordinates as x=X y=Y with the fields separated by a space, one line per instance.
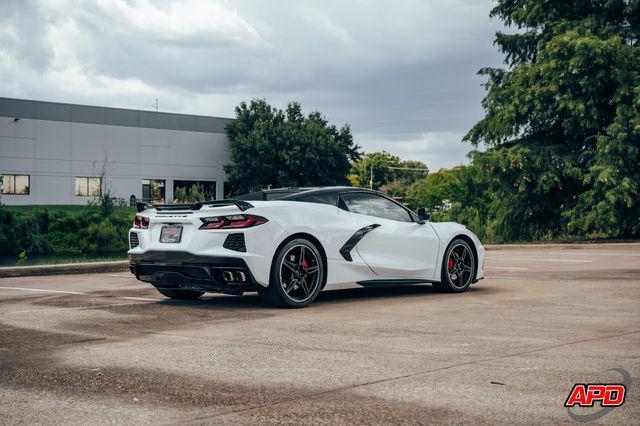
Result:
x=402 y=73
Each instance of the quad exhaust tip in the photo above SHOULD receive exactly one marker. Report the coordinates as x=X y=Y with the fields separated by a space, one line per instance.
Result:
x=234 y=276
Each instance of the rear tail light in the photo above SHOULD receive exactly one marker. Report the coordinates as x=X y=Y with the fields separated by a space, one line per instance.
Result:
x=140 y=222
x=234 y=221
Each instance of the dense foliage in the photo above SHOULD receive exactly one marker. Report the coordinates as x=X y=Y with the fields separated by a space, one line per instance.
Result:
x=386 y=172
x=41 y=231
x=272 y=147
x=563 y=124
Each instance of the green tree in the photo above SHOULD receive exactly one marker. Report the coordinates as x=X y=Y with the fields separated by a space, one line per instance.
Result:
x=528 y=185
x=404 y=175
x=563 y=119
x=283 y=148
x=386 y=170
x=373 y=168
x=458 y=194
x=410 y=171
x=434 y=190
x=397 y=188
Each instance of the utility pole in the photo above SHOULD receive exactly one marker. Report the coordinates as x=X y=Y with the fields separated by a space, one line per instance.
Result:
x=155 y=104
x=371 y=179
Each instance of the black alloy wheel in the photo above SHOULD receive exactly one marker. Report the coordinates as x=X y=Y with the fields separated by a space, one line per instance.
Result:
x=297 y=275
x=458 y=267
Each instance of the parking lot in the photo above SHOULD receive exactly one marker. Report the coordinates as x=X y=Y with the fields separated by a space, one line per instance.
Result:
x=106 y=348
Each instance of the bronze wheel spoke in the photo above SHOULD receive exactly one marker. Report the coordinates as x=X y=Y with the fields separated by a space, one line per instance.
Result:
x=312 y=270
x=305 y=287
x=290 y=265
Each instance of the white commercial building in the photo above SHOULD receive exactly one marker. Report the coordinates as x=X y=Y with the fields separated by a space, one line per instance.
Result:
x=55 y=153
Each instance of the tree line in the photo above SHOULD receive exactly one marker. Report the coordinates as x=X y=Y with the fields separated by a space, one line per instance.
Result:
x=562 y=127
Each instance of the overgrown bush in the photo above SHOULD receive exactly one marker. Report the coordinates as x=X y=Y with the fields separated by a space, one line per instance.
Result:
x=64 y=232
x=104 y=236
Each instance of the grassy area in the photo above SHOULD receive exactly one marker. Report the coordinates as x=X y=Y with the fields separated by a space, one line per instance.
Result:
x=54 y=259
x=72 y=210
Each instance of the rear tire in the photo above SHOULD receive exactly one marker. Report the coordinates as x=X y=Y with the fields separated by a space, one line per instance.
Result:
x=297 y=275
x=458 y=267
x=180 y=294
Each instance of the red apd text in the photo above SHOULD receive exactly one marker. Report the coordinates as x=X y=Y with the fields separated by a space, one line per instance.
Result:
x=586 y=395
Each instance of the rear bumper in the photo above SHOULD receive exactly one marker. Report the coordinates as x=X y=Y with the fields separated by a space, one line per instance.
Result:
x=183 y=270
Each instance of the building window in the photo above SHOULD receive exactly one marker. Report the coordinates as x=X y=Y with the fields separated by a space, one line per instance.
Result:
x=88 y=186
x=15 y=184
x=193 y=190
x=153 y=190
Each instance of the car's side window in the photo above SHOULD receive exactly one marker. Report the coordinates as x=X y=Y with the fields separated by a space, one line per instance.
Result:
x=329 y=199
x=375 y=205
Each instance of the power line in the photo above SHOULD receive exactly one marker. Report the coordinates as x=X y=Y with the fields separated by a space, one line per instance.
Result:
x=417 y=169
x=428 y=93
x=399 y=120
x=457 y=101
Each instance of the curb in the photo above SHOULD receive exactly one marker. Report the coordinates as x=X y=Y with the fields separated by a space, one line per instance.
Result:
x=123 y=265
x=65 y=268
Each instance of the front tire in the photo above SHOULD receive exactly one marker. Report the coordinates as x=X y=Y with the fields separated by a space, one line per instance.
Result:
x=180 y=294
x=458 y=267
x=297 y=275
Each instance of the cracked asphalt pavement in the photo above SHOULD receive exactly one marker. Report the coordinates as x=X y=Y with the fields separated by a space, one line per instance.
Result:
x=105 y=348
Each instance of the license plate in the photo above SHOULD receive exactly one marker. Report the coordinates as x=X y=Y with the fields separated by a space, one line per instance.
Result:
x=170 y=234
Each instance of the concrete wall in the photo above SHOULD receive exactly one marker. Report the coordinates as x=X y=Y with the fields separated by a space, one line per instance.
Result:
x=54 y=152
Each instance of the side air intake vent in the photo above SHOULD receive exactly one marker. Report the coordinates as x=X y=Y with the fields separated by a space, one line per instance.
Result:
x=345 y=250
x=235 y=242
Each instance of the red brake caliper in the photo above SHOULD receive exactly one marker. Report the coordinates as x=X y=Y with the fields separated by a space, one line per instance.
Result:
x=304 y=265
x=450 y=264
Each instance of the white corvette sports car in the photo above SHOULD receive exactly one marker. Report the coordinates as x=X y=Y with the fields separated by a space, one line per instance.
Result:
x=288 y=244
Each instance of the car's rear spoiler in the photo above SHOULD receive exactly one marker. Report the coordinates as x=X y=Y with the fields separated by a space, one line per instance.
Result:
x=242 y=205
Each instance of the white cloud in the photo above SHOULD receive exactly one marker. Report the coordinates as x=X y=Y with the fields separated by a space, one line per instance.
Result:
x=391 y=68
x=436 y=149
x=196 y=21
x=321 y=21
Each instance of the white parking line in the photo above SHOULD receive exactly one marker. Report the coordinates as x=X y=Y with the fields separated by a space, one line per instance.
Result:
x=41 y=290
x=571 y=253
x=506 y=269
x=139 y=298
x=76 y=308
x=547 y=260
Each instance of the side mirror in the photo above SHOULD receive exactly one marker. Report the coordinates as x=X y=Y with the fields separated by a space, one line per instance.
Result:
x=424 y=214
